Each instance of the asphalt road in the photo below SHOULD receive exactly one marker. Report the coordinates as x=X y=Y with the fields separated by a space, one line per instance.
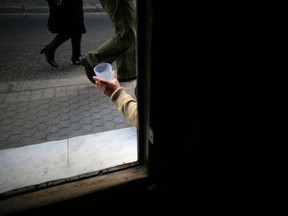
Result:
x=22 y=36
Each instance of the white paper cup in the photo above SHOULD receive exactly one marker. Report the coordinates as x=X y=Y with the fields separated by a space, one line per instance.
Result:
x=103 y=71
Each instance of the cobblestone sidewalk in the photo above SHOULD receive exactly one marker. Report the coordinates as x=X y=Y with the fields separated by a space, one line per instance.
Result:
x=39 y=115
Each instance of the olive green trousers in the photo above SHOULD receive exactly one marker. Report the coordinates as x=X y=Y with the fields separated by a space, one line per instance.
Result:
x=121 y=48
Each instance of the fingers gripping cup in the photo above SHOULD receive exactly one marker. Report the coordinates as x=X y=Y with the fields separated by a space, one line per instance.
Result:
x=103 y=71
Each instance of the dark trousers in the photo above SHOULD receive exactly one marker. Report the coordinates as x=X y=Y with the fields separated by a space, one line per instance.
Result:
x=121 y=47
x=60 y=38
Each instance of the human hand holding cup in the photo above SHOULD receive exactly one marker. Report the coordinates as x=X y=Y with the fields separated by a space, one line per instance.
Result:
x=103 y=71
x=107 y=86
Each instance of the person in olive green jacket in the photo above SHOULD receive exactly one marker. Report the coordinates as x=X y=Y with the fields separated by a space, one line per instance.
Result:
x=123 y=101
x=121 y=47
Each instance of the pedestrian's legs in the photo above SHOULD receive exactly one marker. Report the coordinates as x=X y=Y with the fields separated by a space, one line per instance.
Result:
x=126 y=65
x=57 y=41
x=49 y=49
x=123 y=15
x=107 y=52
x=76 y=48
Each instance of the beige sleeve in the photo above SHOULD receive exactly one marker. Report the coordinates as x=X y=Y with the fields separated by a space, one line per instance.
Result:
x=126 y=104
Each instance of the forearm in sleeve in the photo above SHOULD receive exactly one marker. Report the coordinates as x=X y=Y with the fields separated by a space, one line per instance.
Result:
x=126 y=104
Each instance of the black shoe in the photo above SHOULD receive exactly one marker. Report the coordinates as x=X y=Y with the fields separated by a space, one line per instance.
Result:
x=88 y=69
x=76 y=61
x=49 y=56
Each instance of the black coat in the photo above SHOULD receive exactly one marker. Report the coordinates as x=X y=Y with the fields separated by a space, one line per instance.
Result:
x=67 y=18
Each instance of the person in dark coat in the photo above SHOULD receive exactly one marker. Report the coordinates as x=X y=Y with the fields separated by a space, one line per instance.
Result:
x=66 y=19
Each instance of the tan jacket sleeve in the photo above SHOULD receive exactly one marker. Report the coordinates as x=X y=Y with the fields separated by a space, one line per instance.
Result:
x=126 y=104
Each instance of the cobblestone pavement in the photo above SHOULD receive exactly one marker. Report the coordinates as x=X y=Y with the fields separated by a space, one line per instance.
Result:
x=31 y=114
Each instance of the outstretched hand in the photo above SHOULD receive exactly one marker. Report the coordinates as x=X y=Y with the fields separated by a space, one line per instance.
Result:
x=107 y=87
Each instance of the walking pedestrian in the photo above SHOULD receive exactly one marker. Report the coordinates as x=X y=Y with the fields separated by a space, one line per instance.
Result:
x=66 y=19
x=121 y=47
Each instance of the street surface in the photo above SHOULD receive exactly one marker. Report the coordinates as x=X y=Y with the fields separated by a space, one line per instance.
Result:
x=22 y=36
